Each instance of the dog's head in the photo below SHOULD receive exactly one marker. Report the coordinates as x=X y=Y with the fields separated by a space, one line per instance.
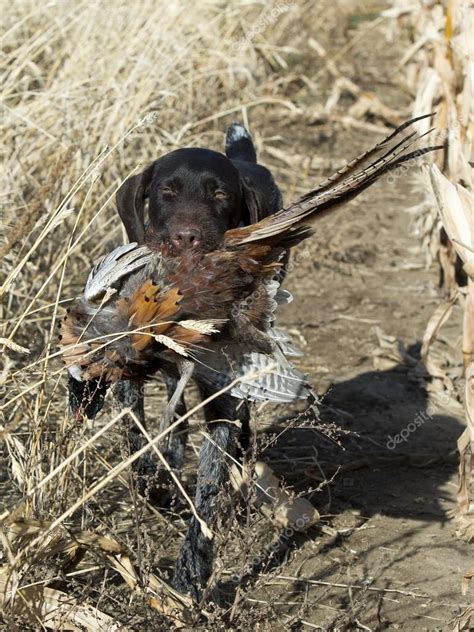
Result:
x=194 y=196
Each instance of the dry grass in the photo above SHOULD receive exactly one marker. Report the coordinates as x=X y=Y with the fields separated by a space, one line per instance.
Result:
x=90 y=93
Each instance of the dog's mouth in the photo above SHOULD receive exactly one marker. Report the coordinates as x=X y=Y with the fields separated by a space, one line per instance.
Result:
x=176 y=251
x=162 y=242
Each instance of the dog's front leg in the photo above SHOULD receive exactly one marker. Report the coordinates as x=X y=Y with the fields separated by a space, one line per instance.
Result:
x=129 y=394
x=195 y=561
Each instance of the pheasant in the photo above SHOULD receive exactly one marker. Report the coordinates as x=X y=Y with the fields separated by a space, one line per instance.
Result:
x=209 y=315
x=143 y=308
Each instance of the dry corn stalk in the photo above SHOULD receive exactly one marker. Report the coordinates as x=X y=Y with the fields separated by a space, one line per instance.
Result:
x=456 y=207
x=440 y=67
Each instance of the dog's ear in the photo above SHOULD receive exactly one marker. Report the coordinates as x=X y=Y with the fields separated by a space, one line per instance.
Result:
x=130 y=199
x=252 y=208
x=255 y=205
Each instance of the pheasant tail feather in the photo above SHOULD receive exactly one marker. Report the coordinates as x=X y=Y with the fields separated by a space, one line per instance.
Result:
x=346 y=184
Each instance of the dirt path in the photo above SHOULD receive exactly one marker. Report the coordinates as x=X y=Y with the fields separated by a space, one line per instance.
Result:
x=403 y=540
x=363 y=271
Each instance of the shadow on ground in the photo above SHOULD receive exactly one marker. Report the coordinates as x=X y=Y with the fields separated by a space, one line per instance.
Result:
x=390 y=495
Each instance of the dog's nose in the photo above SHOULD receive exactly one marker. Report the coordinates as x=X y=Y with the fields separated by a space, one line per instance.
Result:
x=185 y=238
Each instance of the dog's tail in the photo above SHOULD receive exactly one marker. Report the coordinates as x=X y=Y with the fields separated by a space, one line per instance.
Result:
x=239 y=144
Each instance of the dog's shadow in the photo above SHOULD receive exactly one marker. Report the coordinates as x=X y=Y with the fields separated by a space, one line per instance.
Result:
x=397 y=451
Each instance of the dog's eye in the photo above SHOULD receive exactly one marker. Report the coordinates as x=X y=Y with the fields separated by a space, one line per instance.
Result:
x=167 y=191
x=220 y=194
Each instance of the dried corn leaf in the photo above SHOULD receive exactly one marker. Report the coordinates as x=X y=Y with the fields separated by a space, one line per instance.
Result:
x=439 y=317
x=44 y=607
x=461 y=623
x=160 y=595
x=457 y=213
